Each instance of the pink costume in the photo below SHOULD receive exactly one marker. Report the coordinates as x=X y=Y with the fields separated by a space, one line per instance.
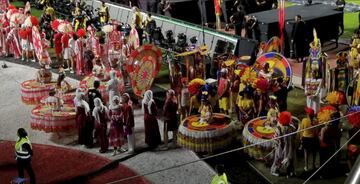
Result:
x=92 y=43
x=115 y=45
x=45 y=58
x=104 y=55
x=13 y=42
x=79 y=56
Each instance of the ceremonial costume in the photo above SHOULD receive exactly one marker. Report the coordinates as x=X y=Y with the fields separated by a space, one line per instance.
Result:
x=57 y=43
x=100 y=114
x=116 y=133
x=224 y=94
x=79 y=56
x=284 y=150
x=112 y=85
x=82 y=119
x=312 y=92
x=13 y=42
x=129 y=122
x=152 y=133
x=104 y=14
x=45 y=58
x=65 y=46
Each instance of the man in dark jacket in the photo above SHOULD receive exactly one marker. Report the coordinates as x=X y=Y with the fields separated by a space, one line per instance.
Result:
x=298 y=36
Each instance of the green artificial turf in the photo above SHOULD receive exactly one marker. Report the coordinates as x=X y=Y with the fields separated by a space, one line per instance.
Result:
x=296 y=102
x=350 y=24
x=34 y=11
x=353 y=1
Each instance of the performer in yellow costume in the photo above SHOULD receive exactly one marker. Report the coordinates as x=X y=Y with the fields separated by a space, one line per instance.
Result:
x=104 y=13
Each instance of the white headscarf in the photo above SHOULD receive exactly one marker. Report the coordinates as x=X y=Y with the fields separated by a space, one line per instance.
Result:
x=113 y=105
x=79 y=100
x=148 y=100
x=113 y=82
x=99 y=107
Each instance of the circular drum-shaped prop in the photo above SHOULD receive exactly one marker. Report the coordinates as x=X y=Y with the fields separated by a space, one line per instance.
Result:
x=143 y=66
x=217 y=134
x=255 y=132
x=278 y=64
x=43 y=118
x=32 y=91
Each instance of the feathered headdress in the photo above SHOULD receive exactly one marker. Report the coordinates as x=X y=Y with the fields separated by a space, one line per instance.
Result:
x=309 y=111
x=81 y=33
x=336 y=98
x=248 y=76
x=354 y=116
x=195 y=85
x=324 y=115
x=261 y=84
x=285 y=118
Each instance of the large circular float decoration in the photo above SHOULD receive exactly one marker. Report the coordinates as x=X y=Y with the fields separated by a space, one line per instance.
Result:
x=278 y=64
x=255 y=132
x=143 y=65
x=206 y=138
x=88 y=82
x=44 y=118
x=32 y=91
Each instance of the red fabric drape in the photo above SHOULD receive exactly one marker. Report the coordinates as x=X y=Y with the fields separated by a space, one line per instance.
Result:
x=281 y=21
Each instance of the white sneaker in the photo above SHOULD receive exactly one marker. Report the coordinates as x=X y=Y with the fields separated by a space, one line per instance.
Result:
x=67 y=69
x=33 y=60
x=22 y=59
x=71 y=71
x=275 y=174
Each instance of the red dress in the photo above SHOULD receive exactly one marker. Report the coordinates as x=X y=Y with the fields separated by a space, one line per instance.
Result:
x=80 y=123
x=128 y=119
x=170 y=109
x=101 y=127
x=116 y=128
x=57 y=43
x=152 y=133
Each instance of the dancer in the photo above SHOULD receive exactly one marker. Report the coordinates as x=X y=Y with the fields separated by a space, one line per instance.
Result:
x=82 y=116
x=184 y=100
x=246 y=105
x=309 y=138
x=100 y=114
x=58 y=46
x=45 y=58
x=79 y=55
x=112 y=85
x=12 y=41
x=284 y=147
x=104 y=13
x=24 y=153
x=116 y=132
x=129 y=122
x=224 y=92
x=66 y=51
x=152 y=133
x=170 y=114
x=43 y=75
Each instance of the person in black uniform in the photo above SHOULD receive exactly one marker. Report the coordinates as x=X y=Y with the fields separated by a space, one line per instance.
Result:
x=238 y=19
x=91 y=95
x=298 y=36
x=24 y=153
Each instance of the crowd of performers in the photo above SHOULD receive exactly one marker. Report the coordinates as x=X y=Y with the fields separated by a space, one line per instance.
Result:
x=248 y=92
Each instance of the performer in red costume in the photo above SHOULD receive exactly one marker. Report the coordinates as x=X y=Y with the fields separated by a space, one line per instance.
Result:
x=4 y=27
x=58 y=46
x=13 y=42
x=92 y=43
x=79 y=55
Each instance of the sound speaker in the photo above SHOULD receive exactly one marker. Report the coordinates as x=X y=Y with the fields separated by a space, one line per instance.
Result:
x=223 y=47
x=246 y=47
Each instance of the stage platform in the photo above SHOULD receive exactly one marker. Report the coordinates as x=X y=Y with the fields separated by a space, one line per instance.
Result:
x=323 y=17
x=209 y=36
